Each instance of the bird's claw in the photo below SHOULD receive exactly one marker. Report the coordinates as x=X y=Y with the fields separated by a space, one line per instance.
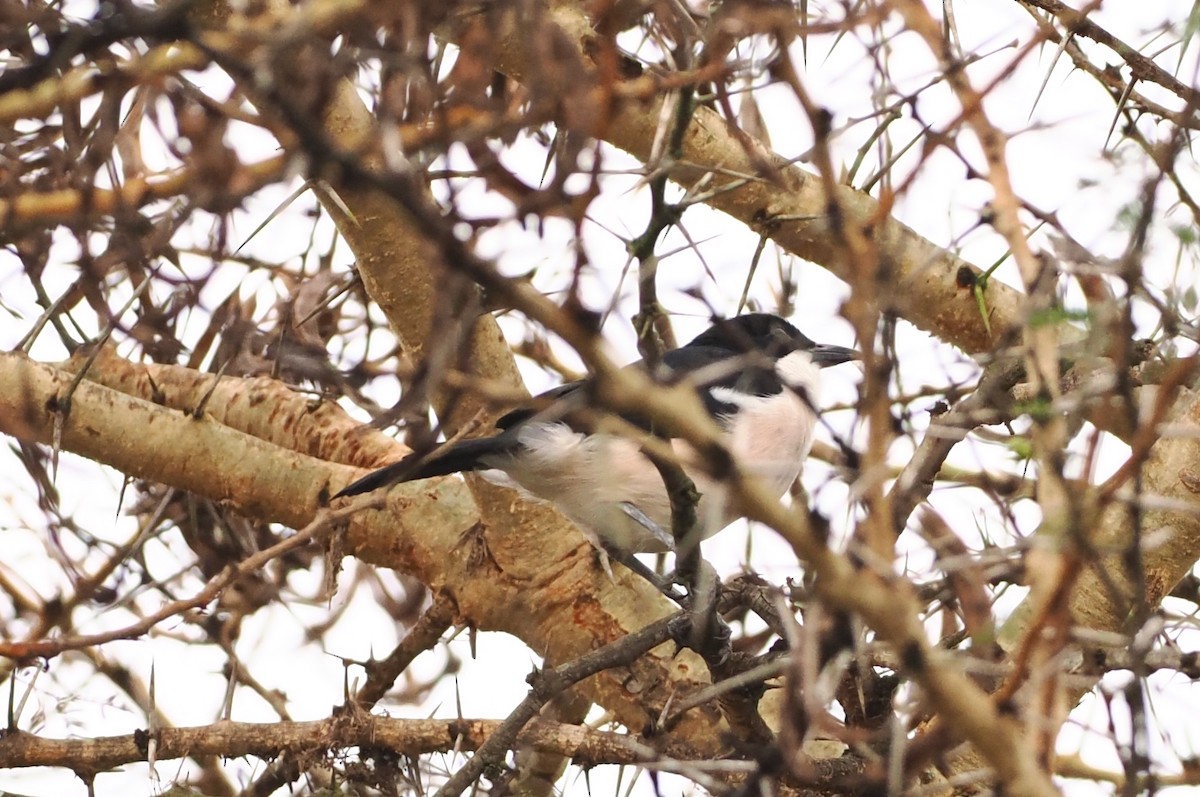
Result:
x=667 y=586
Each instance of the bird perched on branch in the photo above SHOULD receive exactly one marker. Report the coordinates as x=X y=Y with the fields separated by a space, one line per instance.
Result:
x=757 y=376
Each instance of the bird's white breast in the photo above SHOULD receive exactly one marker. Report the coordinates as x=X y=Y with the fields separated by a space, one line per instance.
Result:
x=772 y=435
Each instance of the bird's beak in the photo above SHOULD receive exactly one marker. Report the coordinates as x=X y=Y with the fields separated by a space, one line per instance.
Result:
x=824 y=355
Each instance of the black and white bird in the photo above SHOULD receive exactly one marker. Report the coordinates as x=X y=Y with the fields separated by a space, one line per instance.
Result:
x=756 y=374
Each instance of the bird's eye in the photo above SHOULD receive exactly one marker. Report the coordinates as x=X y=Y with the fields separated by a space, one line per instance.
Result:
x=780 y=340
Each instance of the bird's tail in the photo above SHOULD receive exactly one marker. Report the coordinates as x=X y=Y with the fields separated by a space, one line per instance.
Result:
x=465 y=455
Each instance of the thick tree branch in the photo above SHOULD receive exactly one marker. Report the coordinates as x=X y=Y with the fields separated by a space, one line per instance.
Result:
x=790 y=205
x=233 y=739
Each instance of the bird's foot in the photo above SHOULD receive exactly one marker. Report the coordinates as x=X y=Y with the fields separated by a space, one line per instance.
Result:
x=667 y=587
x=606 y=564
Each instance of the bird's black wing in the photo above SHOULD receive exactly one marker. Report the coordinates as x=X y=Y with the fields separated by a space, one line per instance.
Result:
x=558 y=404
x=741 y=376
x=467 y=455
x=539 y=404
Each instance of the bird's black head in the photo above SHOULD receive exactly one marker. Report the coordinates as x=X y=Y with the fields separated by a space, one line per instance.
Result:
x=771 y=335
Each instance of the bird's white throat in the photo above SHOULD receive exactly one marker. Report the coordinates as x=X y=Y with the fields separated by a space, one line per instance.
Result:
x=799 y=372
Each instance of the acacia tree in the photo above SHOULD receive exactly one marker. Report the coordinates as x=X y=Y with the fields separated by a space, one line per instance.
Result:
x=236 y=380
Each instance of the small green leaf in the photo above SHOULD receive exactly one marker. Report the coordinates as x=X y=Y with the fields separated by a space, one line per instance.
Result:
x=1186 y=233
x=1038 y=409
x=1052 y=316
x=1189 y=299
x=980 y=302
x=1021 y=447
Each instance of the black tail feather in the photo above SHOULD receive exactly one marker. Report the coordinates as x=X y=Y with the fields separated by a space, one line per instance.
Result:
x=466 y=455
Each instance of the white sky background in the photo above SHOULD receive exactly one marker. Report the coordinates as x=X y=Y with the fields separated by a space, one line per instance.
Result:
x=1056 y=161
